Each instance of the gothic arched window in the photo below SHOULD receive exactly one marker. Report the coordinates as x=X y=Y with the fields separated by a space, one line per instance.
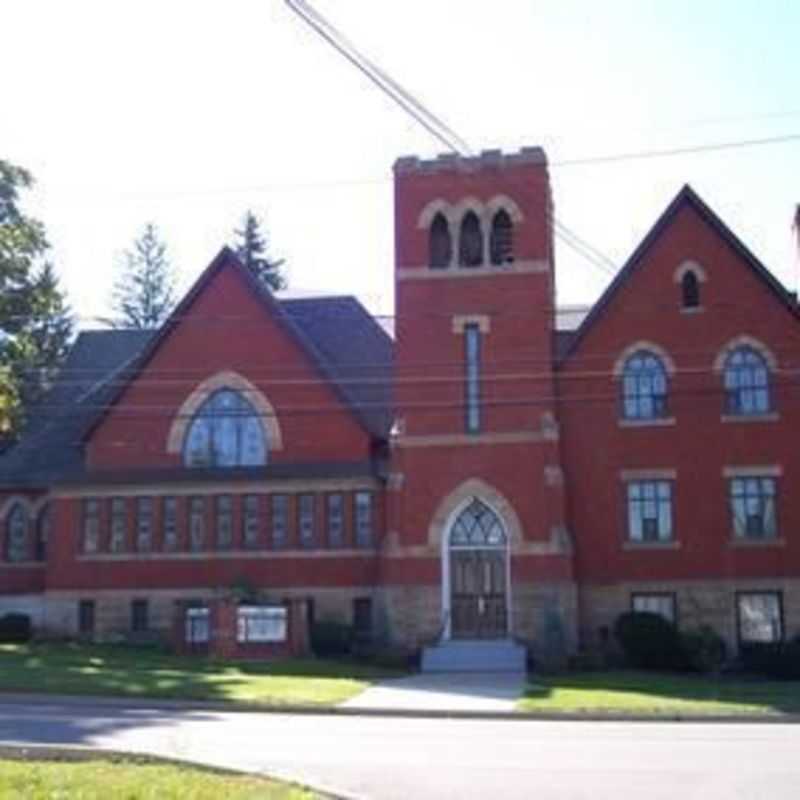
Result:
x=225 y=432
x=17 y=533
x=644 y=386
x=477 y=525
x=470 y=241
x=746 y=380
x=440 y=243
x=501 y=242
x=690 y=290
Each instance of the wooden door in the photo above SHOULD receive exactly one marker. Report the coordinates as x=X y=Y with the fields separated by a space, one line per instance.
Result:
x=478 y=594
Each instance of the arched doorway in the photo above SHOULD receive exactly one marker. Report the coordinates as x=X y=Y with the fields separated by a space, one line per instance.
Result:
x=476 y=574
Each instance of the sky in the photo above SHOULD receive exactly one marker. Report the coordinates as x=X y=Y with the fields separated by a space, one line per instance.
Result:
x=187 y=114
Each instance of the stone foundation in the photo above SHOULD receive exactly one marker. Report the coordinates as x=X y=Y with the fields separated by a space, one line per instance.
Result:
x=697 y=603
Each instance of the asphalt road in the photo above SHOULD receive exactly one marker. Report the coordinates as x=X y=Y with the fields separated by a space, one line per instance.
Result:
x=399 y=759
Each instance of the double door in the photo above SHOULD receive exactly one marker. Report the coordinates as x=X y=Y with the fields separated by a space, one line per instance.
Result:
x=478 y=594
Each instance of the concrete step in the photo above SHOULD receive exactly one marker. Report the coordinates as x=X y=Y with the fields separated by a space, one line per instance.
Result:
x=474 y=655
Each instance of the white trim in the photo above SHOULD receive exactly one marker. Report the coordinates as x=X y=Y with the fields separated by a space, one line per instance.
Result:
x=444 y=554
x=648 y=474
x=643 y=344
x=745 y=340
x=483 y=321
x=763 y=471
x=689 y=266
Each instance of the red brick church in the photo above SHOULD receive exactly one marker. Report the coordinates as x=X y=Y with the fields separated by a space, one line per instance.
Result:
x=487 y=474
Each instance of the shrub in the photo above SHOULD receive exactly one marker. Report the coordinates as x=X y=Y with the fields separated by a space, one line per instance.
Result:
x=704 y=649
x=331 y=639
x=779 y=660
x=15 y=628
x=649 y=641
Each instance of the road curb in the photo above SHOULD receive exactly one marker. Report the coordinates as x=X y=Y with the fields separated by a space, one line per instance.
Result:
x=404 y=713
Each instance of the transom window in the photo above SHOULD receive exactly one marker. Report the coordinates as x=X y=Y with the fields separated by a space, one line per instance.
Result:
x=746 y=382
x=662 y=603
x=650 y=511
x=477 y=526
x=225 y=432
x=753 y=507
x=644 y=387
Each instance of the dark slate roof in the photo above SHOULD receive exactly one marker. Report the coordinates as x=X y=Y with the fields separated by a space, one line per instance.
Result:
x=685 y=197
x=51 y=445
x=350 y=349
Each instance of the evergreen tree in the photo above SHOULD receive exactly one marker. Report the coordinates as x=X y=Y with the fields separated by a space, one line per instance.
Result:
x=251 y=247
x=35 y=322
x=144 y=292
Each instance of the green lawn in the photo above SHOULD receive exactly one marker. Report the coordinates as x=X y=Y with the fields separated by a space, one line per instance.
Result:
x=647 y=693
x=142 y=672
x=101 y=779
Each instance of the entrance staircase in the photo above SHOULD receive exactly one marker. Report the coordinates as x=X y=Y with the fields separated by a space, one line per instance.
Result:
x=474 y=655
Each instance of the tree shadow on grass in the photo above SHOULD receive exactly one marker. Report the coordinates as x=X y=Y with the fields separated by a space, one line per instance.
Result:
x=624 y=690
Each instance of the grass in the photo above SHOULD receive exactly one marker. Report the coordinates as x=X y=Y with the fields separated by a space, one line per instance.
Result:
x=649 y=693
x=102 y=779
x=145 y=672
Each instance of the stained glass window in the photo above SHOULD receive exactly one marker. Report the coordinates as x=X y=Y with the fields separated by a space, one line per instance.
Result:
x=477 y=526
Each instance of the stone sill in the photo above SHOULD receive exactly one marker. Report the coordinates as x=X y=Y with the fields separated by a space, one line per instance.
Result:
x=753 y=542
x=658 y=422
x=692 y=309
x=342 y=552
x=672 y=544
x=772 y=416
x=22 y=564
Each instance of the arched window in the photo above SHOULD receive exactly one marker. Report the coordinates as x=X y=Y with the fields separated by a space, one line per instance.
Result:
x=477 y=526
x=440 y=243
x=43 y=525
x=470 y=241
x=746 y=381
x=644 y=387
x=690 y=290
x=225 y=432
x=17 y=533
x=501 y=242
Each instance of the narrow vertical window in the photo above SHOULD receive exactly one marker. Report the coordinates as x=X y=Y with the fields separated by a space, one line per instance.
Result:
x=363 y=519
x=144 y=524
x=690 y=290
x=119 y=525
x=362 y=619
x=197 y=523
x=472 y=353
x=91 y=525
x=746 y=380
x=470 y=241
x=335 y=519
x=501 y=242
x=251 y=522
x=44 y=525
x=305 y=518
x=440 y=243
x=280 y=520
x=169 y=522
x=140 y=616
x=17 y=533
x=224 y=522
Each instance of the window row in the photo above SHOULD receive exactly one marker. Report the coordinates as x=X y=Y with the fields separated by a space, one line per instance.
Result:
x=227 y=522
x=470 y=245
x=645 y=385
x=26 y=535
x=759 y=615
x=752 y=502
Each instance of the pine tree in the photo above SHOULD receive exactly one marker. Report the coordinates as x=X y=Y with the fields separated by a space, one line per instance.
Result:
x=144 y=291
x=35 y=322
x=251 y=247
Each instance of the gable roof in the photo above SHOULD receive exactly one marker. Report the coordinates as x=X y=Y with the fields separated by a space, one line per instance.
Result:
x=335 y=368
x=685 y=197
x=346 y=344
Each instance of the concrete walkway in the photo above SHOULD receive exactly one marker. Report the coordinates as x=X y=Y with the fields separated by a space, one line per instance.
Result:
x=447 y=691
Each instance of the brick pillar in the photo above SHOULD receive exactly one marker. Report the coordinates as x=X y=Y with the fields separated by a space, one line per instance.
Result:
x=298 y=634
